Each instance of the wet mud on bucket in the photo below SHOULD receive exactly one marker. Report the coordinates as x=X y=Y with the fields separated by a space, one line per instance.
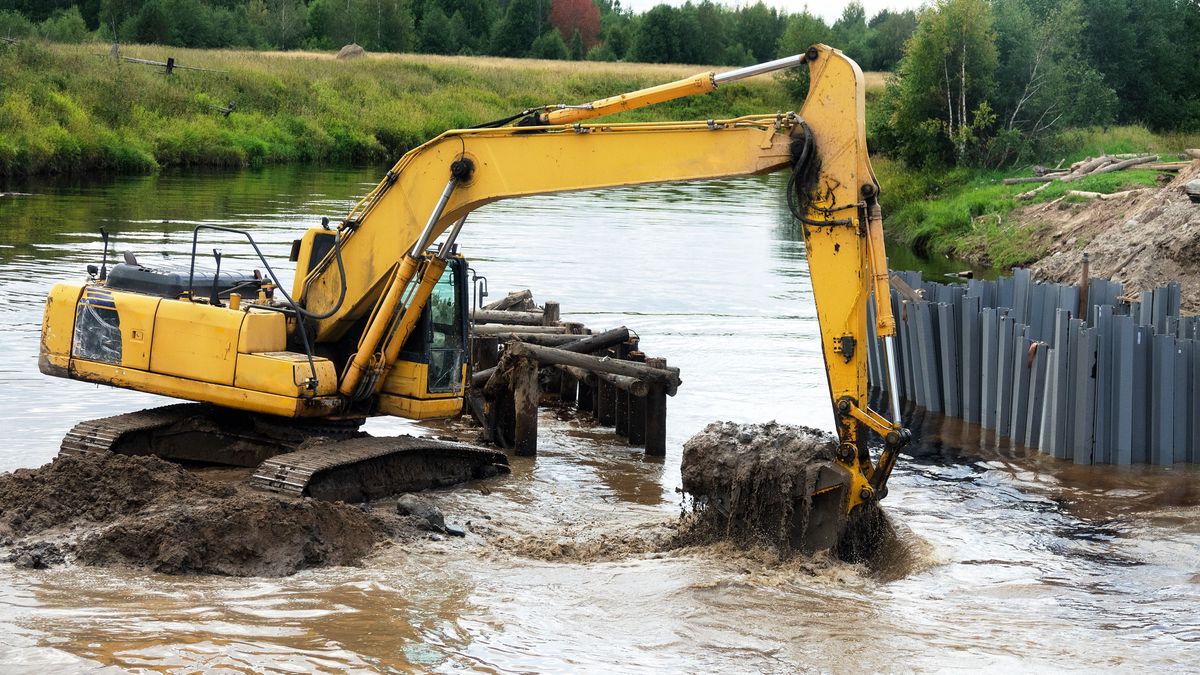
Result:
x=778 y=485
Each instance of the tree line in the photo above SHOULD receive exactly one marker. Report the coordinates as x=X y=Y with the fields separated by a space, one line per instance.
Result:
x=973 y=82
x=994 y=82
x=697 y=32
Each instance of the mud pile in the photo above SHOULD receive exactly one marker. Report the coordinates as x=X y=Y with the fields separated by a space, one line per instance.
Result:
x=754 y=484
x=149 y=513
x=1144 y=240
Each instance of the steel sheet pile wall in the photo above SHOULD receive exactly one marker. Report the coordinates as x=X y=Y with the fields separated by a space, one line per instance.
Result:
x=1119 y=386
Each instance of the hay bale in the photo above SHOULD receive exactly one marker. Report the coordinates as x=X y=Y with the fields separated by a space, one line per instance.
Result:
x=351 y=51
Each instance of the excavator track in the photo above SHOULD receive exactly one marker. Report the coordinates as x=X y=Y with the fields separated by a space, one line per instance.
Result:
x=332 y=461
x=195 y=432
x=106 y=433
x=362 y=469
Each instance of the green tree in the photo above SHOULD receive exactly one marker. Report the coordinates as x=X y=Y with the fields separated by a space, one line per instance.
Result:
x=851 y=34
x=549 y=45
x=152 y=24
x=889 y=31
x=576 y=46
x=759 y=27
x=713 y=22
x=1042 y=85
x=803 y=31
x=15 y=24
x=65 y=25
x=938 y=106
x=436 y=36
x=524 y=22
x=666 y=34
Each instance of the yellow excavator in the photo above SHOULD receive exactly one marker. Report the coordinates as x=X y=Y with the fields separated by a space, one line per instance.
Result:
x=376 y=321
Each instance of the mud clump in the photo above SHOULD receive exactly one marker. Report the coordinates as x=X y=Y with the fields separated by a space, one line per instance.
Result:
x=149 y=513
x=754 y=484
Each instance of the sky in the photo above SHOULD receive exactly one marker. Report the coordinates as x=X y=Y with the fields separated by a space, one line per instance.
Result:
x=829 y=10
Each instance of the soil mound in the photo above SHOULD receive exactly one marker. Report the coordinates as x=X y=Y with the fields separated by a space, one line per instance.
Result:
x=146 y=512
x=1144 y=241
x=754 y=484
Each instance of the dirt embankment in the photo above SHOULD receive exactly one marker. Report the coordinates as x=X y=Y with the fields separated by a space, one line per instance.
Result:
x=1143 y=240
x=149 y=513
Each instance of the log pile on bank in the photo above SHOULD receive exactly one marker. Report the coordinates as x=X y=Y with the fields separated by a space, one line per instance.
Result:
x=1094 y=166
x=523 y=356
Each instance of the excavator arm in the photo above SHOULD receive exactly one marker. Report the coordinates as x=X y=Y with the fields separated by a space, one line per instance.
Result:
x=834 y=193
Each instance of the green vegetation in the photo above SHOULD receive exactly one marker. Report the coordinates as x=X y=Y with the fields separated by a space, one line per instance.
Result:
x=992 y=83
x=708 y=31
x=959 y=211
x=66 y=108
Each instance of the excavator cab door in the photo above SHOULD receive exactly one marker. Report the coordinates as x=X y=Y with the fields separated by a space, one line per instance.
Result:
x=427 y=379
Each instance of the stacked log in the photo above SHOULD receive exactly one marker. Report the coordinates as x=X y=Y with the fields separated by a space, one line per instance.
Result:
x=1091 y=166
x=604 y=374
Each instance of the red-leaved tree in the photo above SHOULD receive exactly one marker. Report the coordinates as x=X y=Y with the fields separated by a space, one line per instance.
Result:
x=582 y=15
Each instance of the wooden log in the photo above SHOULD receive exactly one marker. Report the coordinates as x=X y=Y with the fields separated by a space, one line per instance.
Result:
x=507 y=317
x=585 y=398
x=606 y=397
x=651 y=373
x=1031 y=179
x=621 y=425
x=1100 y=195
x=513 y=299
x=1194 y=153
x=587 y=343
x=1168 y=166
x=498 y=328
x=1087 y=168
x=1119 y=166
x=637 y=408
x=574 y=327
x=656 y=413
x=485 y=352
x=568 y=386
x=550 y=313
x=525 y=394
x=1032 y=193
x=544 y=339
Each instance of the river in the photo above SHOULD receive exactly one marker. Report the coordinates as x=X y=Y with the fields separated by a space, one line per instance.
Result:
x=1014 y=561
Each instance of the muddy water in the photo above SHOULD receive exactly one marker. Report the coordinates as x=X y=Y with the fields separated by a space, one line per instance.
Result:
x=1012 y=560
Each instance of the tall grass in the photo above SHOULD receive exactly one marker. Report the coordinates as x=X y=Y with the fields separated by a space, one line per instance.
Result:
x=71 y=108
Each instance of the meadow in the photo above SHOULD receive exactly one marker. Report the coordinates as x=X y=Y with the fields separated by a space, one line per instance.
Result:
x=67 y=109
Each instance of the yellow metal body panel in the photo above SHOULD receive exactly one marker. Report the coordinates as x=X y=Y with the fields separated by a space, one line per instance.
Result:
x=195 y=341
x=406 y=393
x=304 y=260
x=262 y=332
x=58 y=328
x=284 y=373
x=137 y=328
x=178 y=387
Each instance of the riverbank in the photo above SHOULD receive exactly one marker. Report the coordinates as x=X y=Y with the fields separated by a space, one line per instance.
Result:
x=73 y=109
x=970 y=215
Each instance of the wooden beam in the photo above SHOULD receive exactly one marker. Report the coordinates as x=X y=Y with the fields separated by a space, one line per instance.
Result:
x=498 y=328
x=645 y=371
x=507 y=317
x=583 y=345
x=511 y=300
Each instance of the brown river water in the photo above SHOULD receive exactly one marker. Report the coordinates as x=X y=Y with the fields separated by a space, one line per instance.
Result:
x=1011 y=560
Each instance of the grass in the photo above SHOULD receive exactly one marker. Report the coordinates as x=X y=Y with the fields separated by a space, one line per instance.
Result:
x=69 y=109
x=966 y=213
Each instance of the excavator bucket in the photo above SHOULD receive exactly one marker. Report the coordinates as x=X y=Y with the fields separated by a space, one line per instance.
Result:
x=768 y=482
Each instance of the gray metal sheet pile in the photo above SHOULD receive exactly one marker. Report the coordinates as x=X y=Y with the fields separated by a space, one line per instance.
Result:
x=1119 y=386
